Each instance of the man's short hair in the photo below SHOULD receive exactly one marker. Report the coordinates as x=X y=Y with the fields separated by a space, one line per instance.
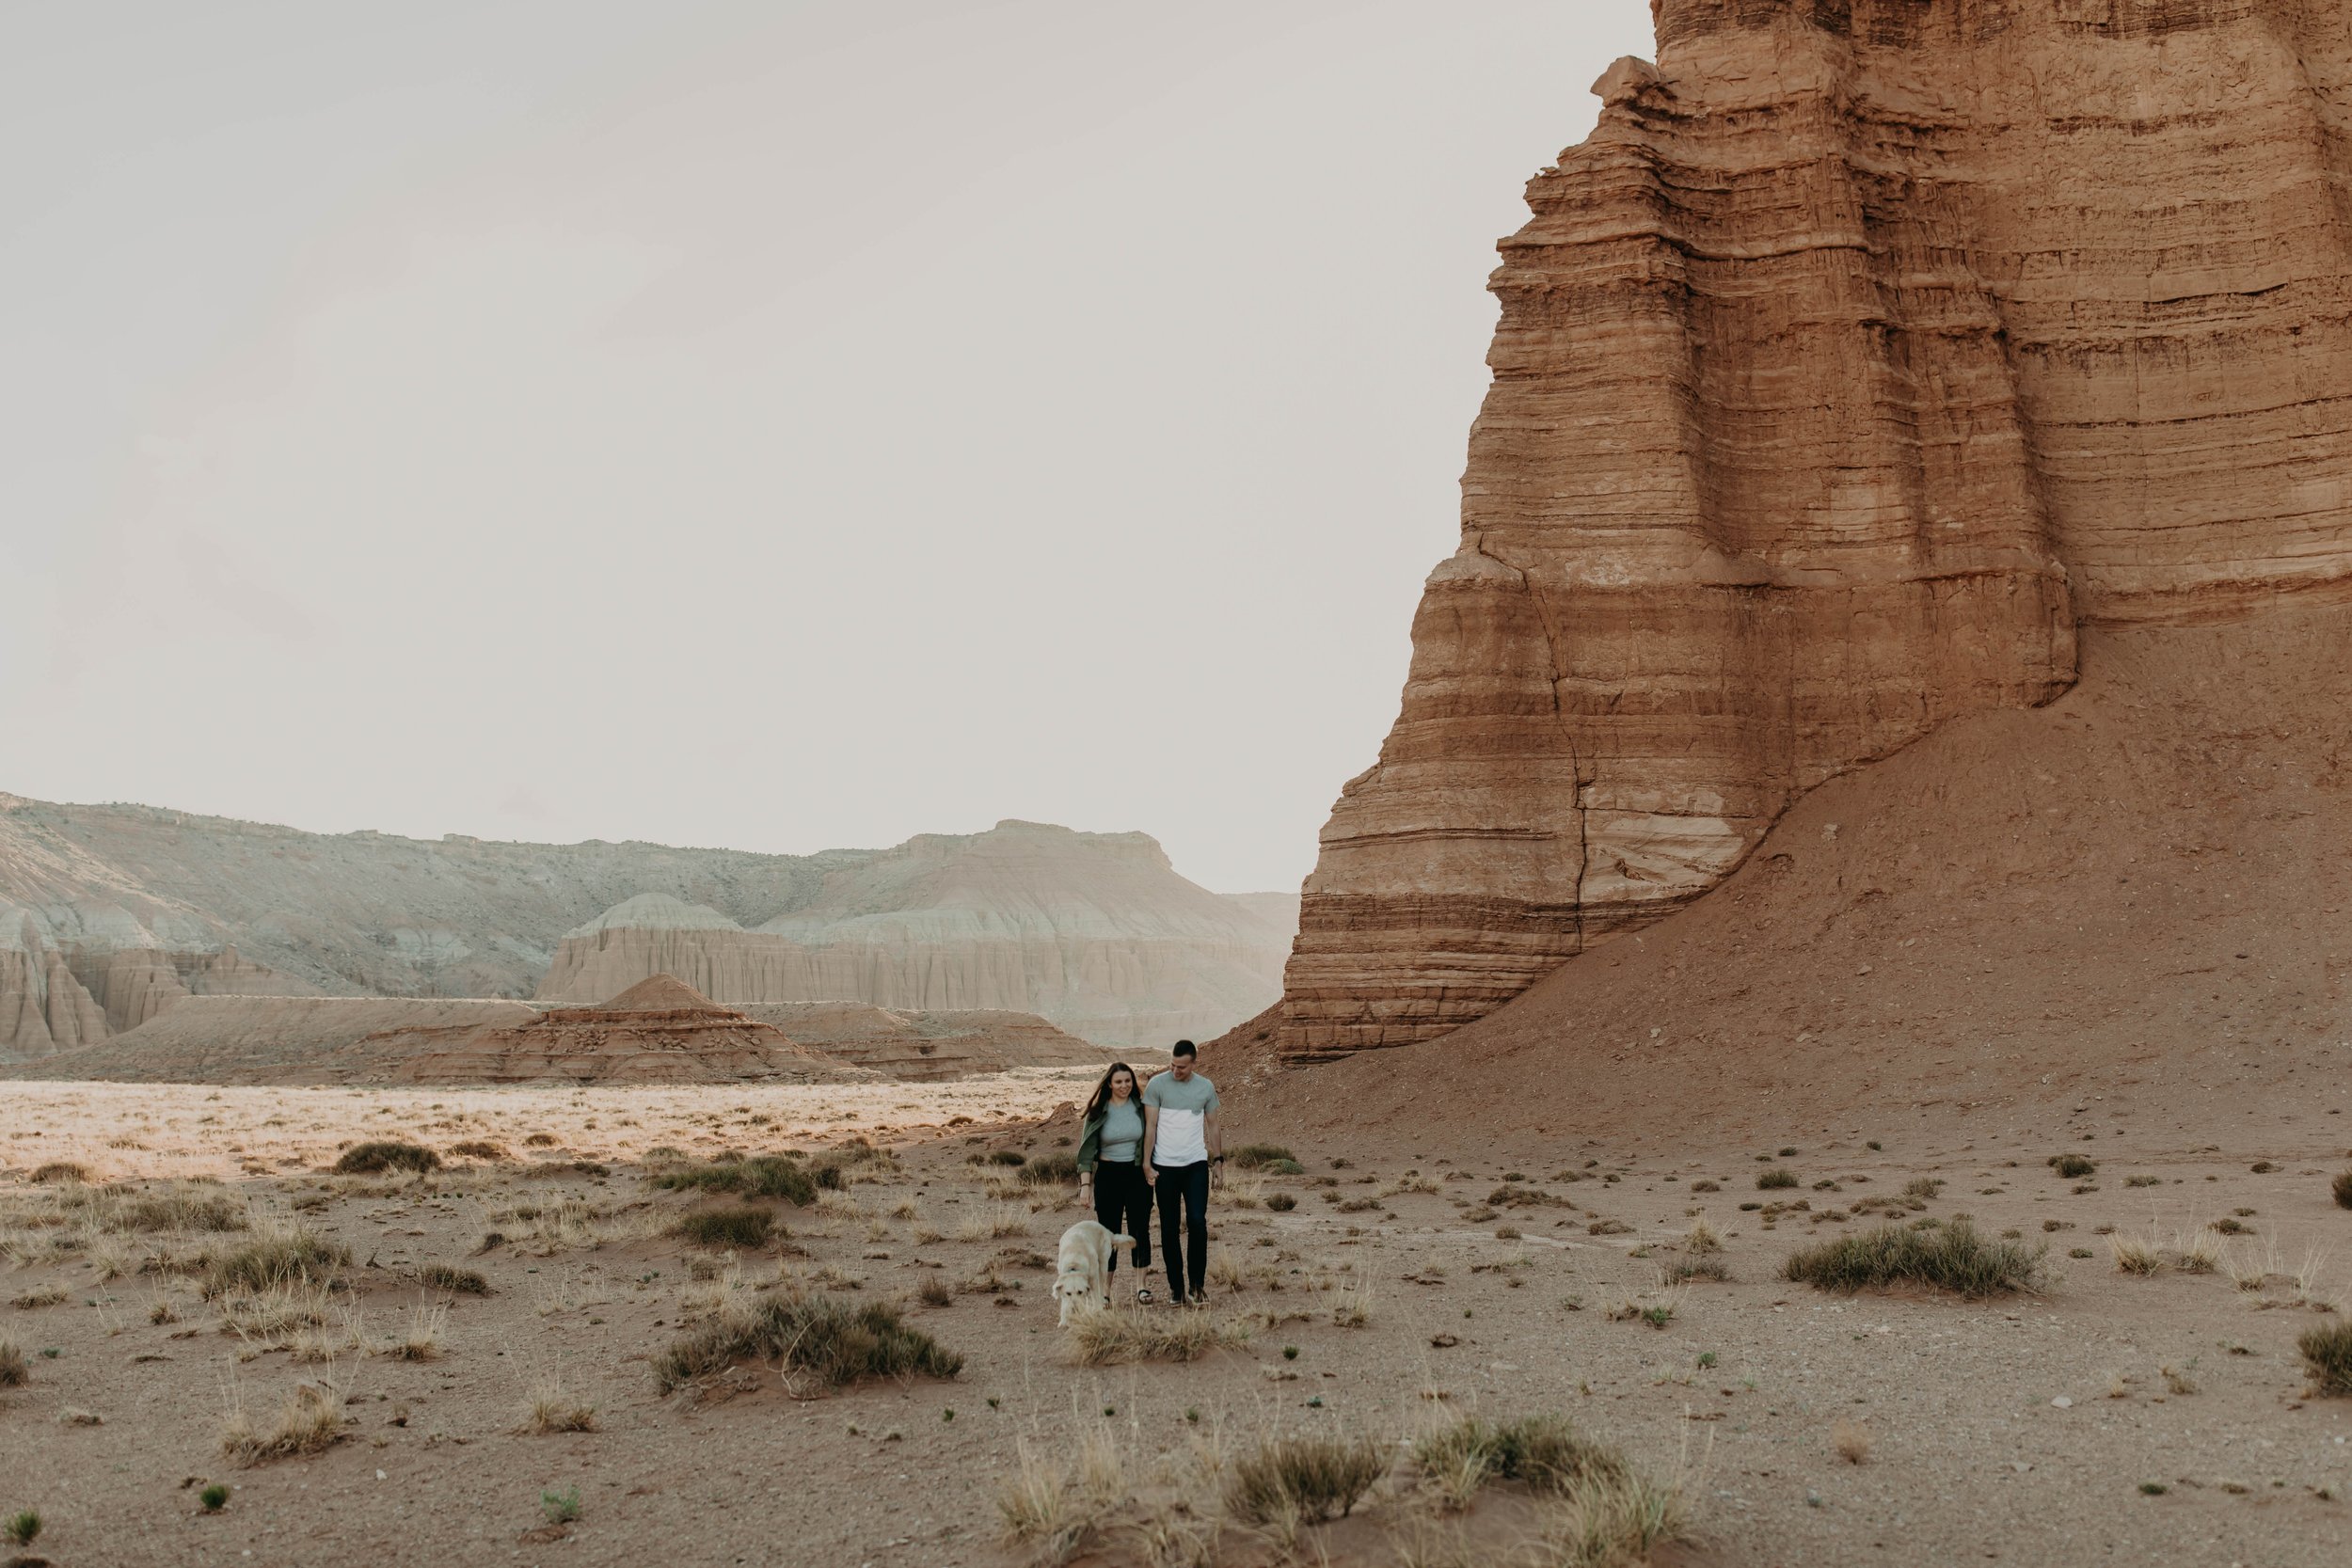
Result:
x=1184 y=1048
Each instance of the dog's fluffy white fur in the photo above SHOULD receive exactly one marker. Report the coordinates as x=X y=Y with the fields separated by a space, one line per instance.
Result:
x=1083 y=1281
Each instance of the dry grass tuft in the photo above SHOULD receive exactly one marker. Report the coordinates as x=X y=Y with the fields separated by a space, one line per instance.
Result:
x=745 y=1228
x=2328 y=1355
x=1545 y=1451
x=1851 y=1440
x=550 y=1408
x=38 y=1297
x=1955 y=1257
x=12 y=1370
x=1613 y=1520
x=58 y=1173
x=838 y=1341
x=374 y=1159
x=1056 y=1510
x=2134 y=1255
x=1304 y=1478
x=274 y=1260
x=311 y=1419
x=993 y=1223
x=1120 y=1335
x=2342 y=1187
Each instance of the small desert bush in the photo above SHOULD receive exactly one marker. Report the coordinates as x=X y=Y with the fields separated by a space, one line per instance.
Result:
x=174 y=1209
x=457 y=1281
x=374 y=1159
x=993 y=1224
x=58 y=1172
x=767 y=1175
x=2327 y=1353
x=838 y=1341
x=21 y=1528
x=1119 y=1335
x=1255 y=1156
x=2074 y=1166
x=2342 y=1187
x=935 y=1292
x=1702 y=1239
x=1007 y=1157
x=1955 y=1257
x=480 y=1149
x=1049 y=1170
x=39 y=1296
x=1305 y=1477
x=1545 y=1451
x=12 y=1372
x=744 y=1228
x=1613 y=1520
x=1055 y=1510
x=550 y=1408
x=1282 y=1203
x=1924 y=1188
x=2134 y=1256
x=310 y=1419
x=1777 y=1177
x=270 y=1262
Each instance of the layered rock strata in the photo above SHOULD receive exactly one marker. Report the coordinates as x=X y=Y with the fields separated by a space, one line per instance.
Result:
x=1865 y=348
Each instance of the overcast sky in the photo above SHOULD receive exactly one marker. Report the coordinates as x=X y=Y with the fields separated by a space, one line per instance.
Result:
x=771 y=425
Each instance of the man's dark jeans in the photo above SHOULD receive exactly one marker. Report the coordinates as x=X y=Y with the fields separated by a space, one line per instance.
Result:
x=1185 y=1251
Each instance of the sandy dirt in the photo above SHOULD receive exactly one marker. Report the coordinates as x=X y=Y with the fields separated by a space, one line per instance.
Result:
x=2022 y=1428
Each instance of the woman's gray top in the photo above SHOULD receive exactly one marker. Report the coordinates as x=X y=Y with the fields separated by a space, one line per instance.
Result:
x=1123 y=1131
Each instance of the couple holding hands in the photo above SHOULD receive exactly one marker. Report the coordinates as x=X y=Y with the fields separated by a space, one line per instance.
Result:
x=1160 y=1141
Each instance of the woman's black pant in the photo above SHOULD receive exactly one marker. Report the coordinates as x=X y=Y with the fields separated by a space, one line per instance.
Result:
x=1122 y=1202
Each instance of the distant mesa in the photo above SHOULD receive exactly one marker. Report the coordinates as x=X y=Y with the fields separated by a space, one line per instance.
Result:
x=115 y=917
x=1095 y=932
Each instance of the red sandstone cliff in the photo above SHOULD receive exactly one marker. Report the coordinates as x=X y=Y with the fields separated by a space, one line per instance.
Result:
x=1864 y=349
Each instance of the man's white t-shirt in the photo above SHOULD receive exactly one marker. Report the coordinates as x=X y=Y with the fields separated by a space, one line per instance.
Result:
x=1182 y=1138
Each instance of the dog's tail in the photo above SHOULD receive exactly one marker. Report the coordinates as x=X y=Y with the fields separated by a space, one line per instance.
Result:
x=1122 y=1239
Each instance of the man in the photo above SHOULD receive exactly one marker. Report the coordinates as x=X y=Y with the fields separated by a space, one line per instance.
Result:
x=1182 y=1148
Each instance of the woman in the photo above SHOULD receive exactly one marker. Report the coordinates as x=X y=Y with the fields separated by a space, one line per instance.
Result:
x=1110 y=1165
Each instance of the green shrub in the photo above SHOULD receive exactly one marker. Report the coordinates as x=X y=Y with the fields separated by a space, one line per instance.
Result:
x=1954 y=1257
x=214 y=1497
x=1302 y=1477
x=560 y=1508
x=1766 y=1180
x=2074 y=1166
x=744 y=1228
x=272 y=1261
x=1252 y=1156
x=838 y=1341
x=22 y=1529
x=372 y=1159
x=2328 y=1352
x=765 y=1176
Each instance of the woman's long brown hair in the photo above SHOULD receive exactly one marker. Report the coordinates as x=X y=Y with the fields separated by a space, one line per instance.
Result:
x=1101 y=1099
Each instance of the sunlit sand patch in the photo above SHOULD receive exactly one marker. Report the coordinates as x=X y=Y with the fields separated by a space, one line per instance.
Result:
x=123 y=1130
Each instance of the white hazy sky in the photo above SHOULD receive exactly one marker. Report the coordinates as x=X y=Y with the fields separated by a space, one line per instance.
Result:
x=771 y=425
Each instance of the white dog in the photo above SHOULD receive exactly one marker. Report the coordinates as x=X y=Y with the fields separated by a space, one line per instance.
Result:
x=1085 y=1268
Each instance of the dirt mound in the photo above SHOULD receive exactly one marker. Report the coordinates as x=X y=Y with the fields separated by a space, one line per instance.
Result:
x=662 y=993
x=2128 y=905
x=923 y=1046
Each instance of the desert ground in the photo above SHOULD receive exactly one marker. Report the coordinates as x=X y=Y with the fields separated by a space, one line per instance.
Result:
x=486 y=1370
